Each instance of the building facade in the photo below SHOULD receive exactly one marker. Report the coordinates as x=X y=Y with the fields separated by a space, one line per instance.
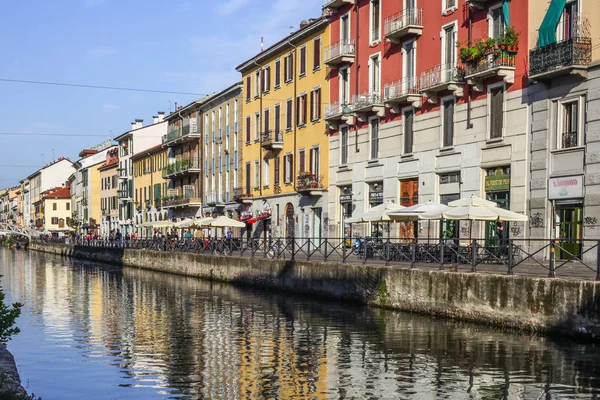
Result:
x=109 y=204
x=139 y=137
x=56 y=209
x=564 y=99
x=221 y=151
x=422 y=112
x=150 y=188
x=286 y=150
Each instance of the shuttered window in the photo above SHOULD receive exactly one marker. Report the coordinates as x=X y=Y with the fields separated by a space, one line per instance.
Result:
x=301 y=109
x=248 y=87
x=301 y=160
x=496 y=112
x=303 y=61
x=374 y=138
x=248 y=128
x=448 y=139
x=315 y=105
x=277 y=117
x=316 y=53
x=277 y=73
x=276 y=175
x=408 y=132
x=267 y=121
x=288 y=115
x=344 y=145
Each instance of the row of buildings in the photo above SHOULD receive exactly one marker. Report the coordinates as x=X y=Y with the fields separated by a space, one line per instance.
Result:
x=368 y=104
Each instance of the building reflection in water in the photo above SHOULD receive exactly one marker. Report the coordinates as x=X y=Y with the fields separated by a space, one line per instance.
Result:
x=181 y=337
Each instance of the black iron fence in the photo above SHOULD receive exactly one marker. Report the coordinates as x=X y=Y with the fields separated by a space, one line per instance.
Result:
x=538 y=257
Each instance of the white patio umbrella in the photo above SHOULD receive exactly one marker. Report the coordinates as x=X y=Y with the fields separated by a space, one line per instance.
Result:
x=163 y=224
x=225 y=222
x=186 y=223
x=203 y=222
x=472 y=201
x=474 y=213
x=380 y=212
x=412 y=213
x=354 y=220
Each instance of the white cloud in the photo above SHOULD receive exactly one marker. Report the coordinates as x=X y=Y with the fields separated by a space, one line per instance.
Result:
x=109 y=107
x=101 y=51
x=231 y=6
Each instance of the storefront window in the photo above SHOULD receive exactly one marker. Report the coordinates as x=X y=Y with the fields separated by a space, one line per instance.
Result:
x=375 y=199
x=449 y=228
x=346 y=209
x=409 y=196
x=497 y=189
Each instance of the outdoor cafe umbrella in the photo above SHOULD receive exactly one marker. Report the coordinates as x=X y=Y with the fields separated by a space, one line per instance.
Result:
x=225 y=222
x=412 y=213
x=380 y=212
x=185 y=223
x=472 y=201
x=163 y=224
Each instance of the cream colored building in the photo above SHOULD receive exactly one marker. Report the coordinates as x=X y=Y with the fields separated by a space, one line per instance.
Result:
x=56 y=209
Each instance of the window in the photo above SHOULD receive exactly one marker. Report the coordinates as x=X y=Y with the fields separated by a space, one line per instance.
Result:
x=257 y=84
x=315 y=104
x=301 y=160
x=496 y=96
x=569 y=26
x=408 y=131
x=449 y=52
x=448 y=123
x=288 y=116
x=345 y=28
x=287 y=168
x=54 y=221
x=451 y=177
x=277 y=74
x=68 y=206
x=256 y=126
x=277 y=118
x=374 y=132
x=375 y=20
x=256 y=175
x=248 y=88
x=344 y=78
x=301 y=110
x=276 y=175
x=266 y=127
x=266 y=172
x=496 y=22
x=288 y=67
x=302 y=60
x=248 y=128
x=448 y=5
x=316 y=53
x=266 y=79
x=409 y=67
x=344 y=145
x=54 y=206
x=374 y=74
x=315 y=161
x=569 y=132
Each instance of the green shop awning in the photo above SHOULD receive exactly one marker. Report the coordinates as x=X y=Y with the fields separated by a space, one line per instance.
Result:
x=547 y=32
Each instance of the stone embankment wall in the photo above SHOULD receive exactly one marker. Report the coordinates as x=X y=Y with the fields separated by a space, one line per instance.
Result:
x=538 y=304
x=9 y=374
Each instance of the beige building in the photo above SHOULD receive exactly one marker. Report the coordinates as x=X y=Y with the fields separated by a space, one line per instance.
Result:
x=109 y=205
x=55 y=207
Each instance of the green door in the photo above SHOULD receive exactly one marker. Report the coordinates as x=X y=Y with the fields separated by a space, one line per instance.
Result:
x=496 y=232
x=570 y=229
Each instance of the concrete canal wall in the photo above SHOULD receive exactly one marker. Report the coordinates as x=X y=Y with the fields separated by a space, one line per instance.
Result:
x=539 y=304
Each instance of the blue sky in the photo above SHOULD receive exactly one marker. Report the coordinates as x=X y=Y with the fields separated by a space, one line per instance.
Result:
x=178 y=45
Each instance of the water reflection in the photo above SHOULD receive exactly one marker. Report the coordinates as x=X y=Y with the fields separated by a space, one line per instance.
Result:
x=137 y=334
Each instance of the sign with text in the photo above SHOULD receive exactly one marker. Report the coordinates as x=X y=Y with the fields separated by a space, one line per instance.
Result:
x=565 y=187
x=376 y=197
x=345 y=198
x=497 y=183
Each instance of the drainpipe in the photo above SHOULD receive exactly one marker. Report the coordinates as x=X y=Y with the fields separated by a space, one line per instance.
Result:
x=357 y=63
x=470 y=37
x=294 y=177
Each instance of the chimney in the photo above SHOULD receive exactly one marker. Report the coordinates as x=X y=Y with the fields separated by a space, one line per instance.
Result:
x=155 y=119
x=138 y=123
x=161 y=116
x=303 y=24
x=132 y=125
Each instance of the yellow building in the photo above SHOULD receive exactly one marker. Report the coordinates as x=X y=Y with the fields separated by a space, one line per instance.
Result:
x=150 y=188
x=109 y=204
x=286 y=149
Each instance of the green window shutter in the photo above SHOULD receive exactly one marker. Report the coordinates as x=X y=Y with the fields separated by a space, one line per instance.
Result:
x=547 y=32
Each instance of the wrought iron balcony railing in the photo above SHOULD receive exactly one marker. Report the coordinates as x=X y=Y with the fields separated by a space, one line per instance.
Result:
x=405 y=23
x=490 y=63
x=441 y=74
x=365 y=101
x=272 y=140
x=183 y=166
x=340 y=52
x=336 y=110
x=398 y=90
x=574 y=52
x=308 y=182
x=569 y=139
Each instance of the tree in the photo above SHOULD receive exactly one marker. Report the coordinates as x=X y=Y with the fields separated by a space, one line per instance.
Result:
x=8 y=317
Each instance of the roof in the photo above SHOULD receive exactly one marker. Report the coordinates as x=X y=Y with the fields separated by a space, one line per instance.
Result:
x=131 y=131
x=314 y=25
x=143 y=153
x=189 y=107
x=112 y=164
x=216 y=98
x=63 y=192
x=60 y=159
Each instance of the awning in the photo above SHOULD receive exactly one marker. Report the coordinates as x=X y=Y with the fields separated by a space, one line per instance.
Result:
x=506 y=12
x=246 y=218
x=259 y=218
x=547 y=32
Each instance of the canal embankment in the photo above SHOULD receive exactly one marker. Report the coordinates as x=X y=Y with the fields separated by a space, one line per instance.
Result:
x=521 y=302
x=10 y=381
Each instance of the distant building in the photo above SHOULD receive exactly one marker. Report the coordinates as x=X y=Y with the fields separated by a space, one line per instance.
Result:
x=56 y=209
x=109 y=204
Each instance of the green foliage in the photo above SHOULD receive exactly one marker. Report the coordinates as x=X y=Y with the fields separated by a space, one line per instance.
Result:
x=382 y=292
x=8 y=317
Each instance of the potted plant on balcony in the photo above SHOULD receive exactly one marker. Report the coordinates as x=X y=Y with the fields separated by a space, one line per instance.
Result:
x=511 y=39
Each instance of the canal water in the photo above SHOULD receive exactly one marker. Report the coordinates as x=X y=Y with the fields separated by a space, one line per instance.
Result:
x=91 y=331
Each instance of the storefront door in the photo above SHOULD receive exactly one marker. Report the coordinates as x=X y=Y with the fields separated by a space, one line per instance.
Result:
x=570 y=229
x=497 y=232
x=290 y=223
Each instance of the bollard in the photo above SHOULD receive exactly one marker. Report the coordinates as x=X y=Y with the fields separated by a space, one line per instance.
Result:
x=510 y=257
x=598 y=261
x=414 y=254
x=551 y=273
x=473 y=256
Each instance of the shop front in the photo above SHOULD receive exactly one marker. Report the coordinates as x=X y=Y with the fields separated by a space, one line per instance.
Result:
x=345 y=193
x=409 y=196
x=566 y=195
x=497 y=189
x=375 y=199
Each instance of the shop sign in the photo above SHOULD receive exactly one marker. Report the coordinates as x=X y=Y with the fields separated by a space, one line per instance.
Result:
x=565 y=187
x=497 y=183
x=376 y=197
x=345 y=198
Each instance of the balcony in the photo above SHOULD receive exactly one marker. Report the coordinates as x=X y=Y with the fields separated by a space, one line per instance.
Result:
x=335 y=4
x=240 y=195
x=271 y=141
x=336 y=113
x=182 y=167
x=339 y=53
x=442 y=78
x=124 y=195
x=408 y=23
x=189 y=198
x=403 y=92
x=213 y=199
x=367 y=103
x=569 y=57
x=310 y=184
x=182 y=134
x=122 y=173
x=500 y=64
